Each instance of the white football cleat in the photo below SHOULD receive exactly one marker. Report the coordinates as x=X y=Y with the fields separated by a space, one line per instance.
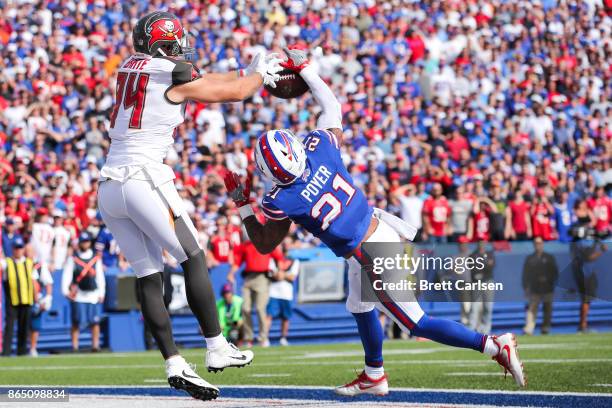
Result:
x=227 y=356
x=364 y=385
x=508 y=357
x=182 y=377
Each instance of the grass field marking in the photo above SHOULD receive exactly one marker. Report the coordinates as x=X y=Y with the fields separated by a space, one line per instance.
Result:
x=23 y=367
x=359 y=353
x=475 y=373
x=428 y=350
x=88 y=367
x=601 y=385
x=269 y=375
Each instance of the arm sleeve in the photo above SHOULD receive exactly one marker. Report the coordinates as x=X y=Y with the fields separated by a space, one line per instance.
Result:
x=331 y=115
x=271 y=211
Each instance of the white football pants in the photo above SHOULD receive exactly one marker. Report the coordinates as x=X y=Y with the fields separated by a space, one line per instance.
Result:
x=144 y=219
x=405 y=314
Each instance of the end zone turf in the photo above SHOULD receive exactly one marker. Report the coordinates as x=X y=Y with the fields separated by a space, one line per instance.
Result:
x=563 y=370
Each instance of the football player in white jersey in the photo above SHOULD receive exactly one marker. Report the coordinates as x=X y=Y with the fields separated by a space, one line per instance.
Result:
x=137 y=197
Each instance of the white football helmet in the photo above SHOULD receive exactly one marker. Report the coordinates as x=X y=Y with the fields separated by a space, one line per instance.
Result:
x=280 y=156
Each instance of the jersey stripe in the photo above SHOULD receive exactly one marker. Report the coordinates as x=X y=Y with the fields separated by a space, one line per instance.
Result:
x=273 y=214
x=330 y=135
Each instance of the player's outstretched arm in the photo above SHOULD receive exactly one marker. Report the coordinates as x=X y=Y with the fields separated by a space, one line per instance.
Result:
x=212 y=88
x=266 y=236
x=331 y=110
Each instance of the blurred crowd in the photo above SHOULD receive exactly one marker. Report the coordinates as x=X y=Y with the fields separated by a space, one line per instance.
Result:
x=473 y=120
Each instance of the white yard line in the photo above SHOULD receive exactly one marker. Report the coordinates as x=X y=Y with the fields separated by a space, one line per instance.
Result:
x=25 y=367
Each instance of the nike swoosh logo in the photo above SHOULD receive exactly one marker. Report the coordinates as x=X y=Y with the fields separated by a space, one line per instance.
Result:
x=189 y=376
x=507 y=350
x=365 y=387
x=241 y=358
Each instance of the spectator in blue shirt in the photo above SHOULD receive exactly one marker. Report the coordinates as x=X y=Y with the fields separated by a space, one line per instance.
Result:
x=564 y=217
x=106 y=244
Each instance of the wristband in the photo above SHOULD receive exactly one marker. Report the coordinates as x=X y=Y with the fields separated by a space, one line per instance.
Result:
x=246 y=211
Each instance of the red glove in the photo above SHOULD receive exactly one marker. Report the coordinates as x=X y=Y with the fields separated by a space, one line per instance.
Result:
x=297 y=58
x=239 y=193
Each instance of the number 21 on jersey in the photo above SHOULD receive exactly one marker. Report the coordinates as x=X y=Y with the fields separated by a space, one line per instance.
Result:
x=131 y=92
x=331 y=200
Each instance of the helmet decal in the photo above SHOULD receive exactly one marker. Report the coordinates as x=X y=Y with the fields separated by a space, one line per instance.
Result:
x=287 y=147
x=280 y=156
x=164 y=29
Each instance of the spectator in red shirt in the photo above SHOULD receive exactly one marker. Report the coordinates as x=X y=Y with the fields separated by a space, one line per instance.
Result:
x=436 y=217
x=456 y=143
x=541 y=215
x=601 y=205
x=479 y=227
x=518 y=222
x=417 y=46
x=220 y=245
x=255 y=287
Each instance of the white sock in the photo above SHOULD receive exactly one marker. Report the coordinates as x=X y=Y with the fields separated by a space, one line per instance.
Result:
x=490 y=348
x=216 y=342
x=175 y=360
x=374 y=372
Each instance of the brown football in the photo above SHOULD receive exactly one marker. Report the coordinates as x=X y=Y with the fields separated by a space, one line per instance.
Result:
x=291 y=85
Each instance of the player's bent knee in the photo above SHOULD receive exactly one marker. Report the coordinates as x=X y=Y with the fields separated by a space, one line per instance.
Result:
x=358 y=307
x=186 y=237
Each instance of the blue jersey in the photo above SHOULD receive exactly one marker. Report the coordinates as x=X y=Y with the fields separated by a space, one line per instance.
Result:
x=324 y=200
x=106 y=244
x=564 y=220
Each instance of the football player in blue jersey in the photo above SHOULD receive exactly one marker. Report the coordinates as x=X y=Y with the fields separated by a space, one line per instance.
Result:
x=314 y=189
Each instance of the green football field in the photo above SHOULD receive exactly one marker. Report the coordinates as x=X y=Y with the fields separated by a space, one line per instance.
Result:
x=581 y=363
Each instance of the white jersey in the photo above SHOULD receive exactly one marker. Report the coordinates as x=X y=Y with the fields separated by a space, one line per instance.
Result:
x=60 y=247
x=42 y=241
x=143 y=120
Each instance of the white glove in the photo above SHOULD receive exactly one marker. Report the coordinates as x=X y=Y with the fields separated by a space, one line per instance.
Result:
x=268 y=67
